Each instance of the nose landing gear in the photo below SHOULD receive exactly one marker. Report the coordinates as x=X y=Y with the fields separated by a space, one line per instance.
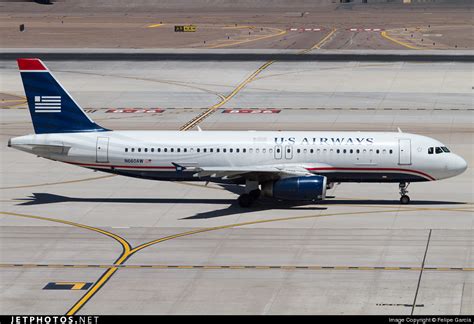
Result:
x=404 y=199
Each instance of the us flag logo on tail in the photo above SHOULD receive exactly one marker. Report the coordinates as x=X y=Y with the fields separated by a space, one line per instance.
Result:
x=47 y=104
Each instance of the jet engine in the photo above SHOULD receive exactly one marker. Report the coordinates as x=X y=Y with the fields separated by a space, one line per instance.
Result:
x=296 y=188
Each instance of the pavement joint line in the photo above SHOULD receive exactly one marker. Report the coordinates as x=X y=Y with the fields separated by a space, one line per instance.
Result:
x=421 y=271
x=234 y=267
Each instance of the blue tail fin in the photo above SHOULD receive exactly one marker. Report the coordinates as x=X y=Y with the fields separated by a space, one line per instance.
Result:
x=52 y=109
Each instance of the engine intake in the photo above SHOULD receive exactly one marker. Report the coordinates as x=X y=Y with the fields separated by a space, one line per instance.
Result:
x=296 y=188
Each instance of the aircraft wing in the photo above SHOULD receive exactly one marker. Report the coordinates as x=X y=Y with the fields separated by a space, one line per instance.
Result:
x=256 y=173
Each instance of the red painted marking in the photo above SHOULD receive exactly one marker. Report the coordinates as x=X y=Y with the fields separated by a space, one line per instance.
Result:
x=31 y=64
x=305 y=29
x=251 y=111
x=135 y=110
x=372 y=169
x=365 y=29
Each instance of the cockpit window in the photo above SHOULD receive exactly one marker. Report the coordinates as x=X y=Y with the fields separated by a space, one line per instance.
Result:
x=430 y=150
x=438 y=150
x=444 y=148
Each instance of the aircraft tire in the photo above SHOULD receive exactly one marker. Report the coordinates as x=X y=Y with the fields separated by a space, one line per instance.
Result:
x=245 y=200
x=404 y=200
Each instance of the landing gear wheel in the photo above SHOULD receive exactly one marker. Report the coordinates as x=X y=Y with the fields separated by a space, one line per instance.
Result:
x=245 y=200
x=404 y=200
x=255 y=194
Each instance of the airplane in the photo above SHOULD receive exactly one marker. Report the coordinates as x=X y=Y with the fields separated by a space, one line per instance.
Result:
x=285 y=165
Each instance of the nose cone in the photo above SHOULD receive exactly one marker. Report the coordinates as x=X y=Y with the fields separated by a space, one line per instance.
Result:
x=457 y=164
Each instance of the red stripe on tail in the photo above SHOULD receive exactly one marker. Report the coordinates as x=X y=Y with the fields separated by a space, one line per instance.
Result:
x=31 y=64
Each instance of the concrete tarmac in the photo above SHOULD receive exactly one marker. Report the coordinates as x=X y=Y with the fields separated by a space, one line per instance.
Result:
x=151 y=247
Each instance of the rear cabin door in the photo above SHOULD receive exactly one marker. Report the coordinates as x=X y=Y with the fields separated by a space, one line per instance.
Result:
x=404 y=151
x=102 y=149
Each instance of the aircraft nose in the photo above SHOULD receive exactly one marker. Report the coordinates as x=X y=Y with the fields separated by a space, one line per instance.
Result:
x=457 y=164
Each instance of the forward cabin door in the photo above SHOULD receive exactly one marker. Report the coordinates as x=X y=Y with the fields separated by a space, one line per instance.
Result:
x=102 y=149
x=404 y=151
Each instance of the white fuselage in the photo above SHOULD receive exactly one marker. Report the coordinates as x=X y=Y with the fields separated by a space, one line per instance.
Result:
x=340 y=156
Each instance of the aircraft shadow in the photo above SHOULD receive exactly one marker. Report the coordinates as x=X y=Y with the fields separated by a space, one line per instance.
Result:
x=232 y=208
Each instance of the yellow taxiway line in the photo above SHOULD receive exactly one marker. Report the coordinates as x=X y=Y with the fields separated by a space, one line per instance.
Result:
x=385 y=35
x=248 y=40
x=198 y=119
x=195 y=121
x=321 y=42
x=128 y=251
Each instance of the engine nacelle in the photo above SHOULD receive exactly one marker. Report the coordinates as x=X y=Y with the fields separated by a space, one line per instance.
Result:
x=296 y=188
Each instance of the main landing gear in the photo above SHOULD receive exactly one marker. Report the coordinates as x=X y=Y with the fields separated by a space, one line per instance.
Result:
x=246 y=200
x=404 y=199
x=252 y=192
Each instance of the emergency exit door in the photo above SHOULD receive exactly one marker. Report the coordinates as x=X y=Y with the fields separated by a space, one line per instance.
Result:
x=288 y=152
x=404 y=151
x=278 y=152
x=102 y=149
